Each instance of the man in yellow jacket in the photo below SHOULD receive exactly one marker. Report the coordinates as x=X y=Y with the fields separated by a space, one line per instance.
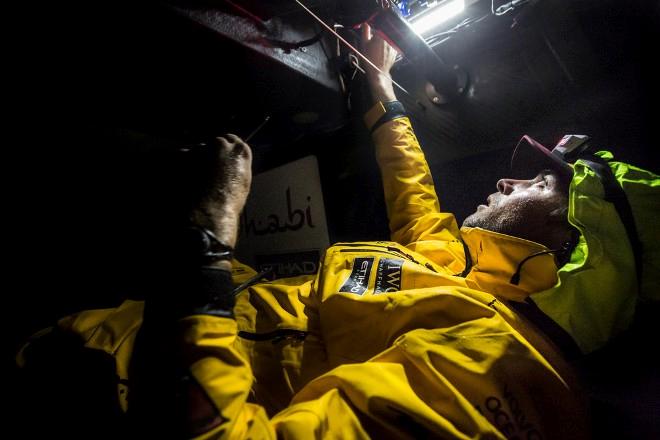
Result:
x=433 y=334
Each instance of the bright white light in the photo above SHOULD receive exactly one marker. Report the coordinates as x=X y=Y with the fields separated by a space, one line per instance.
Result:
x=437 y=15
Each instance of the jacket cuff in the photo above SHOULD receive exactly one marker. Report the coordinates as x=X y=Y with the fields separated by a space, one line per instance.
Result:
x=383 y=112
x=213 y=293
x=200 y=291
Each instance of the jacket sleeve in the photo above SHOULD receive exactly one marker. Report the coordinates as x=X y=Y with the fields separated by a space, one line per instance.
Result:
x=224 y=375
x=412 y=204
x=226 y=379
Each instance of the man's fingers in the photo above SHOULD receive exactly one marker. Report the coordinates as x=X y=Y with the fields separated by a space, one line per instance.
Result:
x=233 y=145
x=229 y=141
x=224 y=142
x=240 y=146
x=366 y=32
x=234 y=138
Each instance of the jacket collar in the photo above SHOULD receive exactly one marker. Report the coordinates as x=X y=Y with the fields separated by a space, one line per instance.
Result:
x=495 y=258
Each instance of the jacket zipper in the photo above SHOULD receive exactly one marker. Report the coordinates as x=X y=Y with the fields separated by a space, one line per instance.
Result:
x=396 y=251
x=275 y=336
x=468 y=261
x=391 y=250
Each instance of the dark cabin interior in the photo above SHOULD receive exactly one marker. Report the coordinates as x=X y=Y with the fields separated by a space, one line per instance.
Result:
x=120 y=82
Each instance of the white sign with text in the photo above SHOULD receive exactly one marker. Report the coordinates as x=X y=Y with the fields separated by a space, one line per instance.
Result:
x=283 y=225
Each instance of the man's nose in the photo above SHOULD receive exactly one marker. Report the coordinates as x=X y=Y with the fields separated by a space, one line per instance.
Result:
x=506 y=186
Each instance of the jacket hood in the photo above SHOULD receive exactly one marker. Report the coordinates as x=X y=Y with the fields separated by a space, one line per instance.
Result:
x=597 y=291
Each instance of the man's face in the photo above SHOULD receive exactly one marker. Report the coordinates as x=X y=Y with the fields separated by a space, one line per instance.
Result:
x=524 y=208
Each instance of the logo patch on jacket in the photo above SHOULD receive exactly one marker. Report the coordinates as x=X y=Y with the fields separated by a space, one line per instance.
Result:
x=388 y=275
x=359 y=279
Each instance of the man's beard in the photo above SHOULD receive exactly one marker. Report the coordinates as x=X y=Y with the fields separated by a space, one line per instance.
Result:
x=512 y=220
x=488 y=222
x=475 y=220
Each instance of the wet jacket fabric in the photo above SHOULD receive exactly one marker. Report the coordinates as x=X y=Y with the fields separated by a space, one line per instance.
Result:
x=408 y=338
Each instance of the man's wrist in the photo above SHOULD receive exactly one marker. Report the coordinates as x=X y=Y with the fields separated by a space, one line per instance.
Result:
x=383 y=112
x=381 y=88
x=195 y=246
x=383 y=93
x=220 y=265
x=223 y=223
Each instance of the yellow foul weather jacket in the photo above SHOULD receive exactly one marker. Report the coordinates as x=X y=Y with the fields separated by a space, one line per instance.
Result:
x=408 y=338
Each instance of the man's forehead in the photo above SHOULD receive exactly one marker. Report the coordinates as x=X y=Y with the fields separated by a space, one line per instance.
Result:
x=541 y=173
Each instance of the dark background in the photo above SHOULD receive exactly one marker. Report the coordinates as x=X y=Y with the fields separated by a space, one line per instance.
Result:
x=102 y=89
